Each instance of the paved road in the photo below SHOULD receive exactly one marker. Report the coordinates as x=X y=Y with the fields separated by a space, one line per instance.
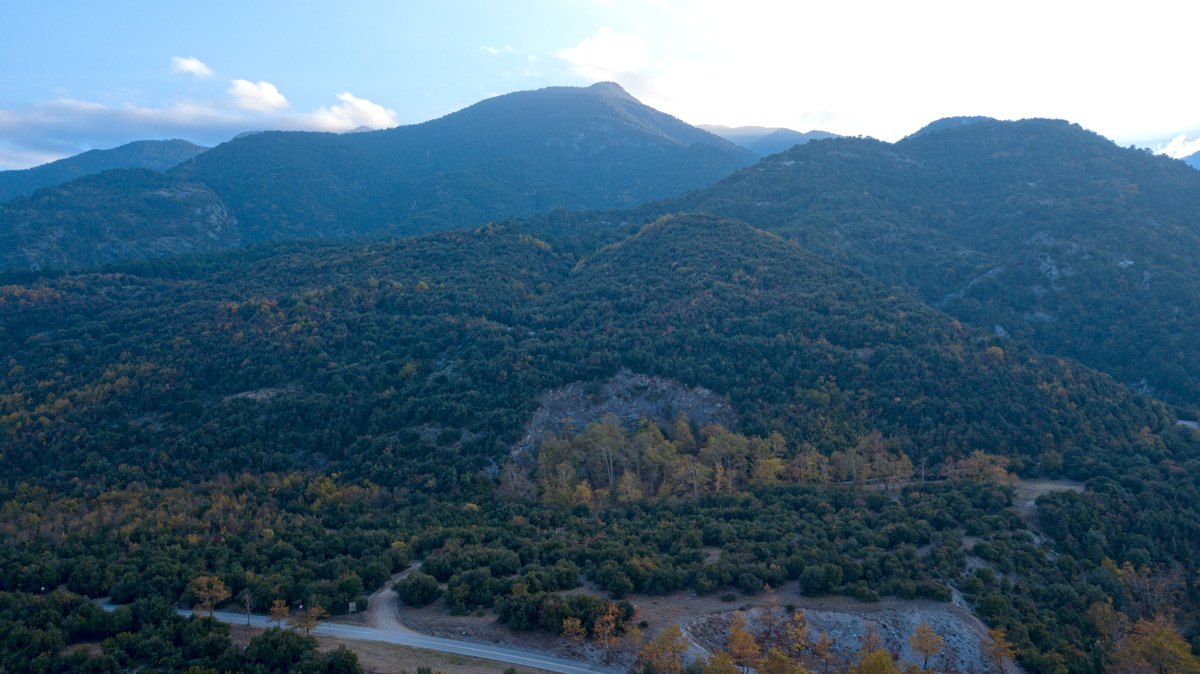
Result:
x=483 y=651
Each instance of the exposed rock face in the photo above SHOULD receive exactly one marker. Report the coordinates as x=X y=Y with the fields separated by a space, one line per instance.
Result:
x=631 y=398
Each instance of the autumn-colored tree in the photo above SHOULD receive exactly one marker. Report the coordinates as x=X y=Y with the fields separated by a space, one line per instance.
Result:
x=573 y=629
x=279 y=611
x=248 y=603
x=998 y=649
x=870 y=641
x=1154 y=590
x=742 y=647
x=209 y=591
x=720 y=662
x=583 y=494
x=878 y=661
x=664 y=654
x=308 y=619
x=605 y=631
x=1154 y=646
x=773 y=634
x=823 y=650
x=796 y=633
x=628 y=489
x=777 y=661
x=926 y=643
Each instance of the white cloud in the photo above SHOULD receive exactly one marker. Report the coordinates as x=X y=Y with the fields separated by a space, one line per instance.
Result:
x=1180 y=147
x=491 y=50
x=55 y=129
x=261 y=97
x=354 y=112
x=607 y=55
x=191 y=65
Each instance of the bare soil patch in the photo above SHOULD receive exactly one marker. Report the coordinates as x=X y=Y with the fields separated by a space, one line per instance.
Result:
x=1027 y=492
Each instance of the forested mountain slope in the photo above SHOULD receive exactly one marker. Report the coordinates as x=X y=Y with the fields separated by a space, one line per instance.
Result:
x=465 y=330
x=157 y=155
x=1036 y=229
x=510 y=156
x=299 y=425
x=116 y=215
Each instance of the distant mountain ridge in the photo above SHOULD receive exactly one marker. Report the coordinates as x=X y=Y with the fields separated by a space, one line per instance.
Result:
x=510 y=156
x=1036 y=229
x=156 y=155
x=1193 y=160
x=765 y=141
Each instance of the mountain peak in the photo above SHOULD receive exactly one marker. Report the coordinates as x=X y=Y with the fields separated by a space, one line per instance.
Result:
x=610 y=87
x=949 y=123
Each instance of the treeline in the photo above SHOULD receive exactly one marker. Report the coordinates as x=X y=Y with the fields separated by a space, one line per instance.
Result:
x=60 y=633
x=300 y=539
x=605 y=462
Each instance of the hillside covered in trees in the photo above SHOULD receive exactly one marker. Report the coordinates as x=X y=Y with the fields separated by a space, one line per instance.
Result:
x=1037 y=230
x=299 y=421
x=155 y=155
x=509 y=156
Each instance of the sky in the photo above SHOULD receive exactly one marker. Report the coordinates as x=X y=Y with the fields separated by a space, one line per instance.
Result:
x=97 y=74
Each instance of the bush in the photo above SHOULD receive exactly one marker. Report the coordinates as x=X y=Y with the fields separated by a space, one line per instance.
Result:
x=610 y=577
x=418 y=589
x=749 y=583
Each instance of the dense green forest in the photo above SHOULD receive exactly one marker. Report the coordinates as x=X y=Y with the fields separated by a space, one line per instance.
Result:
x=301 y=420
x=1038 y=230
x=116 y=215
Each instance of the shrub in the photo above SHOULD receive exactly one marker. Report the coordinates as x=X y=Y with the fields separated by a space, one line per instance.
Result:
x=418 y=589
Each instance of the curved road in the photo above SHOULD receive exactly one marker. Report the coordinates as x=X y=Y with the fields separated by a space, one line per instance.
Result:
x=506 y=655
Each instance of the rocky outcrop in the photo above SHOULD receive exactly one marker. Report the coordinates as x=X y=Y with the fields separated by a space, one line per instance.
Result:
x=628 y=396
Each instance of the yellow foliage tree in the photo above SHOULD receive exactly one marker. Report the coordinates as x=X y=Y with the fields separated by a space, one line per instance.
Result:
x=878 y=661
x=664 y=654
x=573 y=629
x=998 y=649
x=720 y=663
x=823 y=649
x=926 y=643
x=742 y=647
x=209 y=591
x=279 y=611
x=309 y=619
x=797 y=633
x=1154 y=646
x=605 y=631
x=778 y=662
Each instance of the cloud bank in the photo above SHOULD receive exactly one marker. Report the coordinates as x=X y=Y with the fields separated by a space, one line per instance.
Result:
x=607 y=55
x=1181 y=147
x=60 y=128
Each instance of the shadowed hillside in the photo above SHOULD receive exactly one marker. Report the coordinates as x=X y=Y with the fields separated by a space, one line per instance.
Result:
x=157 y=155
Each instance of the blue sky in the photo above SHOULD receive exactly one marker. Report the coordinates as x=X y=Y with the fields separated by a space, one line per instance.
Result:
x=78 y=75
